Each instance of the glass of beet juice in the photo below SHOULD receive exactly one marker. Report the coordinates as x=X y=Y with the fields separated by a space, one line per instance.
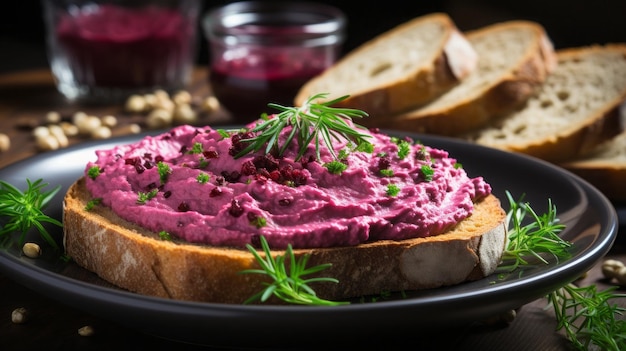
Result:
x=104 y=50
x=262 y=52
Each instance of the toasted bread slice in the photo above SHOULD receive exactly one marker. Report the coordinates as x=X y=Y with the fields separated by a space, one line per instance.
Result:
x=576 y=108
x=137 y=260
x=604 y=166
x=514 y=59
x=404 y=67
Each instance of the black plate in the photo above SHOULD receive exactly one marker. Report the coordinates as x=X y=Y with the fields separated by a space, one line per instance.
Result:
x=591 y=222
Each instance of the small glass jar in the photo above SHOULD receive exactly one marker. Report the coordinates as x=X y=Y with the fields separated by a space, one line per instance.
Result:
x=105 y=50
x=262 y=52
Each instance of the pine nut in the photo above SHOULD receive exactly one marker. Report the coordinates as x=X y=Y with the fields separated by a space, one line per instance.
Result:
x=31 y=250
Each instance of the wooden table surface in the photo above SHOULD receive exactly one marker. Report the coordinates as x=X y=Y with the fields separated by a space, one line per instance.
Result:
x=25 y=98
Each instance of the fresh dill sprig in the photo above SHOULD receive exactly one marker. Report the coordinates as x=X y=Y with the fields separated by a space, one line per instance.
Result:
x=589 y=318
x=539 y=236
x=24 y=209
x=315 y=122
x=288 y=282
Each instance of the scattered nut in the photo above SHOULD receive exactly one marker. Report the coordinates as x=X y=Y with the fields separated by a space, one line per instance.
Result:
x=109 y=121
x=164 y=104
x=31 y=250
x=19 y=315
x=210 y=104
x=5 y=142
x=184 y=114
x=159 y=118
x=86 y=331
x=78 y=116
x=47 y=143
x=53 y=117
x=41 y=131
x=136 y=103
x=101 y=132
x=88 y=124
x=130 y=129
x=57 y=132
x=69 y=129
x=161 y=94
x=614 y=269
x=182 y=97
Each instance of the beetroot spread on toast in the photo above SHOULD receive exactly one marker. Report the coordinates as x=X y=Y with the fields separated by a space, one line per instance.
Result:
x=187 y=182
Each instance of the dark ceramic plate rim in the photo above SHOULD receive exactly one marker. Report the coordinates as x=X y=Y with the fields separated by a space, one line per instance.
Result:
x=593 y=230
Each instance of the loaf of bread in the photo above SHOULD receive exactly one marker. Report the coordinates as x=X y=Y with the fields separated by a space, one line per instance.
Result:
x=514 y=59
x=405 y=67
x=605 y=166
x=136 y=259
x=576 y=108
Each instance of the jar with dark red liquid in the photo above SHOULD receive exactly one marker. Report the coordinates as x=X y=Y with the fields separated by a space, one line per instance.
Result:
x=105 y=50
x=263 y=52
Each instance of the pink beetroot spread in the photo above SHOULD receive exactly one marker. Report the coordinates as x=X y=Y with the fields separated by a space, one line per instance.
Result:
x=208 y=196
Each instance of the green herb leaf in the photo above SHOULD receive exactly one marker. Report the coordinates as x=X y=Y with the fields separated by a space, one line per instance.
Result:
x=393 y=190
x=94 y=172
x=313 y=122
x=164 y=171
x=202 y=178
x=387 y=172
x=288 y=285
x=196 y=148
x=539 y=236
x=589 y=318
x=24 y=210
x=587 y=315
x=93 y=203
x=142 y=197
x=165 y=235
x=404 y=148
x=335 y=167
x=427 y=172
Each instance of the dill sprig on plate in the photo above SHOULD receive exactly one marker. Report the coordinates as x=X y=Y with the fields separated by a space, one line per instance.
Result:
x=287 y=280
x=532 y=238
x=587 y=316
x=315 y=122
x=23 y=210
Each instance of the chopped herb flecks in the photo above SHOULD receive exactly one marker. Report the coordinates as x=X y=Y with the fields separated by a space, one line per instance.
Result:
x=164 y=171
x=94 y=172
x=393 y=190
x=336 y=167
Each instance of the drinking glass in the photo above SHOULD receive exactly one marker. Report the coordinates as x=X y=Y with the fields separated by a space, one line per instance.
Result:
x=104 y=50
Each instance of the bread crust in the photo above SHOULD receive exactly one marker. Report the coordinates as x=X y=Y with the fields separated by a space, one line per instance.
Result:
x=452 y=62
x=137 y=260
x=604 y=167
x=578 y=137
x=494 y=98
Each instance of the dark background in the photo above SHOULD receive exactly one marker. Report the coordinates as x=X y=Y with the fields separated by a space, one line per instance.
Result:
x=569 y=23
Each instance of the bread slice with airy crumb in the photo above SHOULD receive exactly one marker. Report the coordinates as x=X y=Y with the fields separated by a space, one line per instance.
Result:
x=514 y=59
x=605 y=166
x=576 y=108
x=404 y=67
x=137 y=260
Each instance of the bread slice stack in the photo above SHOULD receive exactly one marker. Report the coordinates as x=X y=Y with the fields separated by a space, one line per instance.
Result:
x=576 y=109
x=409 y=65
x=514 y=59
x=605 y=166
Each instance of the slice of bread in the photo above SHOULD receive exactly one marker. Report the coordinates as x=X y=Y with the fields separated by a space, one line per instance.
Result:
x=574 y=110
x=406 y=66
x=605 y=166
x=135 y=259
x=514 y=59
